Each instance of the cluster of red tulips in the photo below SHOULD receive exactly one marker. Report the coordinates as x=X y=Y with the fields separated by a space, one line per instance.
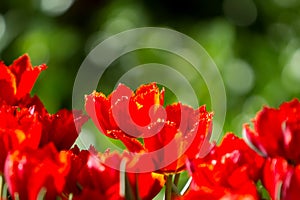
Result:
x=39 y=160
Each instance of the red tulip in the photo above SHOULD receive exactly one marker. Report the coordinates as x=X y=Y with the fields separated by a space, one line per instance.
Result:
x=19 y=128
x=171 y=135
x=125 y=114
x=61 y=128
x=78 y=160
x=30 y=172
x=101 y=175
x=181 y=137
x=17 y=80
x=229 y=171
x=277 y=131
x=275 y=172
x=281 y=179
x=276 y=135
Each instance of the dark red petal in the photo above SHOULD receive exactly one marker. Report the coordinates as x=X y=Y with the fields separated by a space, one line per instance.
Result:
x=254 y=140
x=33 y=102
x=291 y=185
x=88 y=193
x=290 y=113
x=62 y=128
x=268 y=125
x=95 y=175
x=98 y=108
x=78 y=160
x=8 y=87
x=275 y=173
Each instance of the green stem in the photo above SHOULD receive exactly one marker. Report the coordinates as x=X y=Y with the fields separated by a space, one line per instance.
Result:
x=168 y=192
x=176 y=179
x=1 y=183
x=4 y=191
x=137 y=194
x=175 y=190
x=125 y=187
x=128 y=191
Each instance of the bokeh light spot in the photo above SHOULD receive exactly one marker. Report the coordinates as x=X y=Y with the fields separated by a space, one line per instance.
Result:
x=291 y=73
x=55 y=7
x=2 y=26
x=239 y=76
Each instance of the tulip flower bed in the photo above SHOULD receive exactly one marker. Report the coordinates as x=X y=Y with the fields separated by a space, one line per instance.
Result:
x=38 y=158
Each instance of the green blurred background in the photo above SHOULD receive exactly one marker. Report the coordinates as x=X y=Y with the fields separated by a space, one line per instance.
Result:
x=254 y=43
